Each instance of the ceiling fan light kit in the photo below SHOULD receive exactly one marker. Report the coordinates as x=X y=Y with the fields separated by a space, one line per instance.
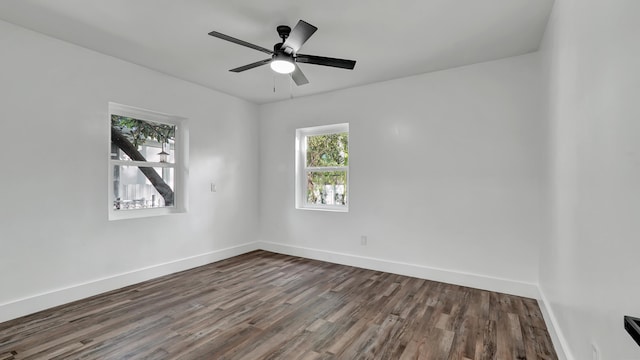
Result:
x=282 y=64
x=284 y=57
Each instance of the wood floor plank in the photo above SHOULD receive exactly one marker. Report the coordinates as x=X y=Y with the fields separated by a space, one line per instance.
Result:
x=263 y=305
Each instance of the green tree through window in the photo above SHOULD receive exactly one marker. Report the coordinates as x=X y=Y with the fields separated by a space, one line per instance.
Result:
x=326 y=183
x=128 y=134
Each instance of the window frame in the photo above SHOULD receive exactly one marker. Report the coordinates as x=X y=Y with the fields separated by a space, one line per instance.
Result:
x=178 y=166
x=301 y=168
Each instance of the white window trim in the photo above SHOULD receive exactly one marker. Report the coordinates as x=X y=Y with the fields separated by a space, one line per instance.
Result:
x=179 y=166
x=301 y=169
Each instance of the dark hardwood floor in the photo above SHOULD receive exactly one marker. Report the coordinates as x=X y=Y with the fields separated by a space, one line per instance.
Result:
x=269 y=306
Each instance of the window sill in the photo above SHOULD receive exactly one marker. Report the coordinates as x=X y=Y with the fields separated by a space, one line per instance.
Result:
x=142 y=213
x=341 y=209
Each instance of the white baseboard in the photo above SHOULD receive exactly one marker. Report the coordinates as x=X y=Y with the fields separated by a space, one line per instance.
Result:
x=35 y=303
x=557 y=337
x=506 y=286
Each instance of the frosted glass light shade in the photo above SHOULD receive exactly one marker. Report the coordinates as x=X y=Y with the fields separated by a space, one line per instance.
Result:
x=282 y=66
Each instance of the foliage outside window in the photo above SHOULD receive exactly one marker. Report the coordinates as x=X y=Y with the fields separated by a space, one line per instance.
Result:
x=144 y=163
x=322 y=167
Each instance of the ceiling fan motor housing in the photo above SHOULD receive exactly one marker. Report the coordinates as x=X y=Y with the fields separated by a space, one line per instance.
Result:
x=278 y=52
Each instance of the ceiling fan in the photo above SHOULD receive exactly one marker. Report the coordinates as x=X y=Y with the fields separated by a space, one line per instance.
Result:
x=284 y=56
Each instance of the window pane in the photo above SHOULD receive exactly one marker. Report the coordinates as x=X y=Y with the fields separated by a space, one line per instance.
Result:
x=327 y=187
x=141 y=140
x=142 y=187
x=328 y=150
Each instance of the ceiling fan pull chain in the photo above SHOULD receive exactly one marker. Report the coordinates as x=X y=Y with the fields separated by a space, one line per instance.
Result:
x=274 y=83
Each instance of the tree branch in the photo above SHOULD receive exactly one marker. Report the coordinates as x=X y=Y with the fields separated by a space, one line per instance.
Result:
x=125 y=145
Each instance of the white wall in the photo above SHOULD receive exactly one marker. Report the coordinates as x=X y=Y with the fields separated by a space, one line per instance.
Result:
x=458 y=154
x=588 y=268
x=53 y=184
x=461 y=155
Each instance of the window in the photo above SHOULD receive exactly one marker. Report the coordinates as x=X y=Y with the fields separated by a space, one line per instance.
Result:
x=322 y=168
x=147 y=152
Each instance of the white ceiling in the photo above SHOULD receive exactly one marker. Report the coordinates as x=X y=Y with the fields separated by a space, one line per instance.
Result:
x=389 y=39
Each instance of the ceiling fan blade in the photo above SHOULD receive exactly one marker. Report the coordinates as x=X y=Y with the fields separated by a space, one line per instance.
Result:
x=326 y=61
x=298 y=36
x=251 y=66
x=239 y=42
x=298 y=76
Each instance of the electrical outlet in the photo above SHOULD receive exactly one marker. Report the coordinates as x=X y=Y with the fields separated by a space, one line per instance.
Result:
x=213 y=187
x=363 y=240
x=595 y=352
